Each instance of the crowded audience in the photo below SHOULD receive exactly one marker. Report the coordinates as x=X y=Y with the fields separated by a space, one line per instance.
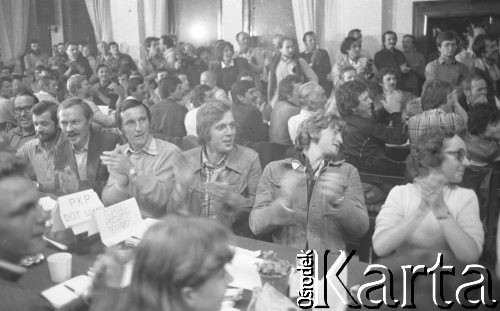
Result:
x=260 y=141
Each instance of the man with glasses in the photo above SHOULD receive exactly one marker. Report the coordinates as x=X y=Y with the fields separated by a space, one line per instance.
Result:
x=23 y=111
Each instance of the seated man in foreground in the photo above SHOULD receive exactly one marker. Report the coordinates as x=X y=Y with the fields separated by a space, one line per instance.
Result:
x=220 y=177
x=142 y=168
x=311 y=202
x=22 y=223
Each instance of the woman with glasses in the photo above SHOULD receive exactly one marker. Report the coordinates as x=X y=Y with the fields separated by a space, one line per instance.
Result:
x=433 y=214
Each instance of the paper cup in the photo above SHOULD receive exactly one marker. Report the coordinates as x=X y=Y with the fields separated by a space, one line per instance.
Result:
x=60 y=267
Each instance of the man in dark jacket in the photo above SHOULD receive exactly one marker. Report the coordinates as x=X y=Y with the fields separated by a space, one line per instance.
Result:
x=76 y=157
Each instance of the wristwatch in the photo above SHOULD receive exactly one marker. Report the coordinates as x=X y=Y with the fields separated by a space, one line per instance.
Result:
x=132 y=173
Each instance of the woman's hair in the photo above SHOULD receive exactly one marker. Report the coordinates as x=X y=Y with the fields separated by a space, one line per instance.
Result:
x=208 y=115
x=198 y=95
x=175 y=253
x=346 y=45
x=434 y=93
x=427 y=153
x=285 y=87
x=309 y=130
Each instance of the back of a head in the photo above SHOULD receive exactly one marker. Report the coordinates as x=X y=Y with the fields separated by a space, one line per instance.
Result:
x=240 y=88
x=434 y=94
x=480 y=116
x=198 y=94
x=347 y=96
x=175 y=253
x=445 y=36
x=168 y=85
x=74 y=83
x=285 y=87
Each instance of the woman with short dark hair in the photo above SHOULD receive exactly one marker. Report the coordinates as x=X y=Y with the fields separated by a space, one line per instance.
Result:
x=432 y=214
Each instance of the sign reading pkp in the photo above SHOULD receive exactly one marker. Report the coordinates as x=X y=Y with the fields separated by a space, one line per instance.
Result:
x=78 y=208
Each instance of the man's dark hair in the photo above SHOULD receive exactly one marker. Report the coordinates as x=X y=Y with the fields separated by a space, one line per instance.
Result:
x=283 y=39
x=101 y=66
x=446 y=36
x=308 y=33
x=351 y=32
x=133 y=83
x=148 y=41
x=479 y=45
x=114 y=43
x=434 y=93
x=346 y=45
x=26 y=93
x=70 y=43
x=388 y=32
x=240 y=33
x=480 y=116
x=128 y=104
x=240 y=88
x=208 y=115
x=385 y=71
x=34 y=41
x=198 y=94
x=45 y=106
x=168 y=85
x=347 y=96
x=167 y=41
x=285 y=87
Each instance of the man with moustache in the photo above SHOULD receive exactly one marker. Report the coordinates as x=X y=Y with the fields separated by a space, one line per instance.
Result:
x=76 y=156
x=23 y=109
x=40 y=151
x=220 y=177
x=34 y=57
x=144 y=167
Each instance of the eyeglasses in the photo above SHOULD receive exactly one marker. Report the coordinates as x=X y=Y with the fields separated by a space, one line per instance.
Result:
x=460 y=155
x=26 y=109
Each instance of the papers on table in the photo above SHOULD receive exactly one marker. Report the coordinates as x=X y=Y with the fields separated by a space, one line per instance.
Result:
x=76 y=211
x=65 y=292
x=243 y=269
x=122 y=222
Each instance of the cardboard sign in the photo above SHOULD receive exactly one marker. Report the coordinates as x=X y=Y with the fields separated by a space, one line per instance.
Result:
x=76 y=211
x=118 y=222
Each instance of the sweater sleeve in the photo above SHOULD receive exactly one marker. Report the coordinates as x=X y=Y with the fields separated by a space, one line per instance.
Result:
x=468 y=218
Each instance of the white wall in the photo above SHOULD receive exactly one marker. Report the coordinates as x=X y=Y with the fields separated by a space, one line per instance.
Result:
x=232 y=20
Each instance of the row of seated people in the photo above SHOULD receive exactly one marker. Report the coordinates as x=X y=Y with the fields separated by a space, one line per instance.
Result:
x=310 y=201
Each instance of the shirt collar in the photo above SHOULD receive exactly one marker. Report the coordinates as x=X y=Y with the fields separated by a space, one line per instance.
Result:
x=206 y=163
x=150 y=147
x=223 y=65
x=85 y=147
x=443 y=60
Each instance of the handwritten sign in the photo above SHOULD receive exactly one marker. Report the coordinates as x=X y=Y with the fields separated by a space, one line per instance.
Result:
x=118 y=222
x=76 y=210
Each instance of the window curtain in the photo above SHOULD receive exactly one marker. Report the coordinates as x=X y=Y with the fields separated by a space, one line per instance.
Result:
x=100 y=17
x=304 y=15
x=153 y=19
x=14 y=17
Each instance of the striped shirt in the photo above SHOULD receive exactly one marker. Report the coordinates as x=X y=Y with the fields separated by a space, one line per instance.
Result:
x=42 y=162
x=434 y=117
x=446 y=70
x=17 y=138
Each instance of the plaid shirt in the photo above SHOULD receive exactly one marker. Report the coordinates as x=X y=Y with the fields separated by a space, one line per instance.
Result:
x=210 y=173
x=434 y=117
